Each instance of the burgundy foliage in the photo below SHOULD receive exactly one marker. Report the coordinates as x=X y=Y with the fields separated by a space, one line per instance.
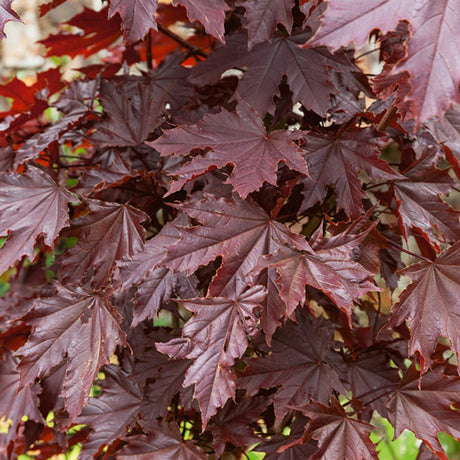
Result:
x=232 y=235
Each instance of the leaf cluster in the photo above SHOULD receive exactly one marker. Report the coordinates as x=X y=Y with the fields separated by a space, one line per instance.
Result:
x=235 y=236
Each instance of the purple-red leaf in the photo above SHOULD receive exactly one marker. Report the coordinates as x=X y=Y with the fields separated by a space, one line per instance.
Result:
x=76 y=326
x=164 y=442
x=302 y=363
x=108 y=233
x=426 y=407
x=327 y=267
x=138 y=17
x=238 y=139
x=431 y=305
x=337 y=161
x=338 y=435
x=31 y=204
x=432 y=49
x=211 y=13
x=263 y=16
x=214 y=337
x=7 y=14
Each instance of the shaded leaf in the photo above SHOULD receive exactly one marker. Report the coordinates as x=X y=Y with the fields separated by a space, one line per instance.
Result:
x=108 y=233
x=164 y=442
x=263 y=16
x=432 y=48
x=338 y=435
x=77 y=326
x=133 y=107
x=302 y=363
x=138 y=17
x=214 y=337
x=31 y=204
x=430 y=305
x=307 y=71
x=112 y=413
x=337 y=161
x=238 y=139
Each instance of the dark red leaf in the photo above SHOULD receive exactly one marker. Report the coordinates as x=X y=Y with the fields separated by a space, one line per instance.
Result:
x=133 y=107
x=108 y=233
x=419 y=203
x=16 y=401
x=31 y=204
x=214 y=337
x=338 y=435
x=302 y=363
x=337 y=161
x=112 y=413
x=163 y=443
x=211 y=13
x=307 y=71
x=238 y=139
x=430 y=304
x=426 y=407
x=77 y=326
x=138 y=17
x=431 y=49
x=263 y=17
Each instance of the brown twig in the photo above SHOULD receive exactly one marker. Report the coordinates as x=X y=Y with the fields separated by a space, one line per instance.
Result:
x=184 y=43
x=386 y=119
x=149 y=56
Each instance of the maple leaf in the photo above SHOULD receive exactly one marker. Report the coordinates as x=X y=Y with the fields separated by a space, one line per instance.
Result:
x=165 y=443
x=370 y=375
x=326 y=265
x=75 y=104
x=338 y=435
x=310 y=372
x=432 y=49
x=230 y=424
x=211 y=13
x=31 y=204
x=263 y=17
x=214 y=337
x=155 y=284
x=24 y=97
x=238 y=139
x=337 y=161
x=7 y=14
x=138 y=17
x=133 y=107
x=426 y=407
x=16 y=401
x=98 y=33
x=447 y=130
x=245 y=234
x=272 y=446
x=112 y=413
x=430 y=304
x=108 y=233
x=78 y=326
x=420 y=205
x=307 y=70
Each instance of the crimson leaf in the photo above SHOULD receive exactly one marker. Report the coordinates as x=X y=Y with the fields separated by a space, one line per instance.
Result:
x=238 y=139
x=77 y=326
x=433 y=290
x=43 y=211
x=214 y=338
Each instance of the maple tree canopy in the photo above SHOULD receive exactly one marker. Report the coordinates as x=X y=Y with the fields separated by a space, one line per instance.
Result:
x=236 y=230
